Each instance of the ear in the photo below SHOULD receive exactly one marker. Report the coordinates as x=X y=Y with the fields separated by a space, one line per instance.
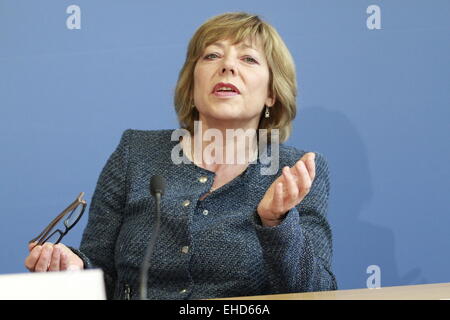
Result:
x=270 y=101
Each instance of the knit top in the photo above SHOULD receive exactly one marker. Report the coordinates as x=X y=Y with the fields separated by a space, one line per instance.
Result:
x=210 y=248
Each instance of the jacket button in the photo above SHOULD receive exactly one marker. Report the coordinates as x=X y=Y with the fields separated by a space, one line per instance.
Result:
x=203 y=179
x=185 y=249
x=186 y=203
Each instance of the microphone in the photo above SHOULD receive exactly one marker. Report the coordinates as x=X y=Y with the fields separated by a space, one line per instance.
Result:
x=157 y=186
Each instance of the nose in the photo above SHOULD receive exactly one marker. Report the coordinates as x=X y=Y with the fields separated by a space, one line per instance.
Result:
x=228 y=67
x=226 y=70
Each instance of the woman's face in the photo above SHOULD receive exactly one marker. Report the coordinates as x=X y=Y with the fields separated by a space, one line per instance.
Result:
x=231 y=83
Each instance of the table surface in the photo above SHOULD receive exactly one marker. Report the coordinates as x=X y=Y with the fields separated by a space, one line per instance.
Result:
x=437 y=291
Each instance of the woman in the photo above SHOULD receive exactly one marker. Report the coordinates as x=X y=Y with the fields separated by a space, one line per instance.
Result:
x=227 y=229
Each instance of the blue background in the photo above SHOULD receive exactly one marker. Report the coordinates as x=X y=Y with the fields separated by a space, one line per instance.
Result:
x=374 y=102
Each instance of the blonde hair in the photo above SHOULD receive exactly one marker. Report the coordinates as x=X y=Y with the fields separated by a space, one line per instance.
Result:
x=238 y=27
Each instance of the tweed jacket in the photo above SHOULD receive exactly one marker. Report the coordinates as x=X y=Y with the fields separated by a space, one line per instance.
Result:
x=215 y=247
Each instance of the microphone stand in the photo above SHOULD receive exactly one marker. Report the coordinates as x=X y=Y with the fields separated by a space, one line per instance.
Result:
x=148 y=253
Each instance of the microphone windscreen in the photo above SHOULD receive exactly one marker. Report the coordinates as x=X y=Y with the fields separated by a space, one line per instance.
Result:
x=157 y=184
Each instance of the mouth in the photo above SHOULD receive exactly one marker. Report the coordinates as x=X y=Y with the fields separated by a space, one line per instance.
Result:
x=225 y=90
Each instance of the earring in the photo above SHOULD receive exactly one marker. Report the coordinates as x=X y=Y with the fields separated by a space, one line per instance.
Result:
x=267 y=113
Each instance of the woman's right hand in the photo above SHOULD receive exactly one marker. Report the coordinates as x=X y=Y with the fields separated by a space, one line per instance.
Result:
x=50 y=257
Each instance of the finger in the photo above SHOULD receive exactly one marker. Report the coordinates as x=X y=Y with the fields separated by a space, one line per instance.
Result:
x=64 y=261
x=45 y=257
x=73 y=267
x=292 y=187
x=55 y=259
x=66 y=264
x=304 y=181
x=31 y=245
x=277 y=202
x=311 y=165
x=308 y=155
x=33 y=257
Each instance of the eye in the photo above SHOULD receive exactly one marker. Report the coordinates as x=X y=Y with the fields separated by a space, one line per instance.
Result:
x=250 y=60
x=211 y=56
